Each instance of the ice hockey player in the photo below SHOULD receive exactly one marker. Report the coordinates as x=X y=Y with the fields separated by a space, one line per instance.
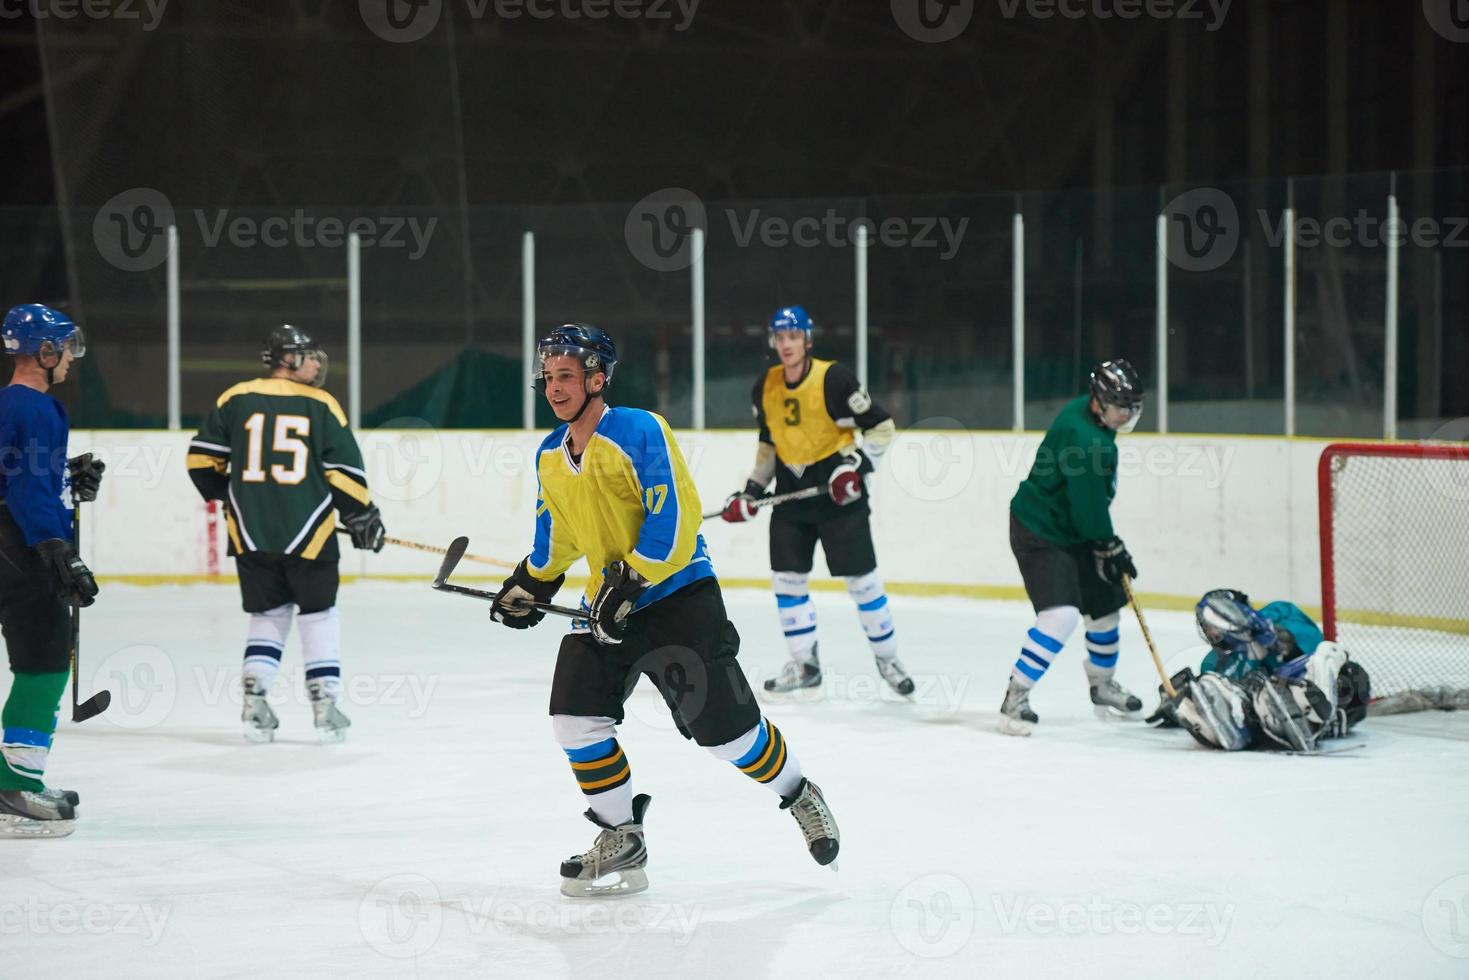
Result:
x=1267 y=672
x=1070 y=558
x=808 y=411
x=614 y=488
x=279 y=453
x=41 y=576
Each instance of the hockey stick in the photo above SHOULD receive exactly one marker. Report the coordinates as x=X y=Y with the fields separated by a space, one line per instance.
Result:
x=1157 y=662
x=455 y=551
x=97 y=703
x=778 y=499
x=436 y=550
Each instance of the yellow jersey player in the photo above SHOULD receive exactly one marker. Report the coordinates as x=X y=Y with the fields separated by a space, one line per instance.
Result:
x=279 y=453
x=808 y=411
x=613 y=488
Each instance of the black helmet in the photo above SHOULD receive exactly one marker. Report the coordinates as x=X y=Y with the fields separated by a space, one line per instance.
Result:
x=286 y=339
x=1117 y=382
x=588 y=344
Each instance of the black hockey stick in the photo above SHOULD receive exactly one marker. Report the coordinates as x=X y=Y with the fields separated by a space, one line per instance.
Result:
x=97 y=703
x=776 y=500
x=456 y=551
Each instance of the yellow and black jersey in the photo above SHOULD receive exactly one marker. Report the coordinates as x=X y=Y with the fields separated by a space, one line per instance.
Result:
x=282 y=457
x=629 y=497
x=811 y=424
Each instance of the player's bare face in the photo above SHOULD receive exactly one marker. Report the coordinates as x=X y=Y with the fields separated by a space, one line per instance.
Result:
x=791 y=347
x=566 y=385
x=308 y=367
x=58 y=374
x=1115 y=416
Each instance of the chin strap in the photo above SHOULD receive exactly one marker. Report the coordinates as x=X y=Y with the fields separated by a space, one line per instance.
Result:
x=587 y=402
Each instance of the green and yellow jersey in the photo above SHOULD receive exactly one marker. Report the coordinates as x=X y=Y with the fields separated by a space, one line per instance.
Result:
x=282 y=457
x=629 y=497
x=1067 y=496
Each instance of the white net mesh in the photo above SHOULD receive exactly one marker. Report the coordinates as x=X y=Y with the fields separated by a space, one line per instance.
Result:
x=1395 y=579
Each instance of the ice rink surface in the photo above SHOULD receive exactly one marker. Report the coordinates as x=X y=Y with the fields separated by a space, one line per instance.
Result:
x=428 y=844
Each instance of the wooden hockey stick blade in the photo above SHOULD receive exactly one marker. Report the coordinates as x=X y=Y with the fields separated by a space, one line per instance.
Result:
x=92 y=707
x=452 y=554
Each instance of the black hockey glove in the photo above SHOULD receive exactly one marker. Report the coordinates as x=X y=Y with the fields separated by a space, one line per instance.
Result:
x=1166 y=715
x=621 y=587
x=366 y=529
x=519 y=590
x=86 y=476
x=1113 y=561
x=74 y=581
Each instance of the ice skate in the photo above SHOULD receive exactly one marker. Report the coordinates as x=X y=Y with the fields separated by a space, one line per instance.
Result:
x=28 y=815
x=68 y=796
x=808 y=806
x=895 y=675
x=796 y=675
x=331 y=723
x=618 y=853
x=1016 y=717
x=257 y=718
x=1111 y=699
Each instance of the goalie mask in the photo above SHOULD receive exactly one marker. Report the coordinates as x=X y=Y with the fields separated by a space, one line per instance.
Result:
x=1224 y=620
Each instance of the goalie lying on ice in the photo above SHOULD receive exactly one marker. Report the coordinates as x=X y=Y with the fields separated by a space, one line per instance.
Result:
x=1267 y=672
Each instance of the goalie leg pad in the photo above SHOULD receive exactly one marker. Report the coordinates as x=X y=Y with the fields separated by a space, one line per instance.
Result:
x=1216 y=712
x=1284 y=710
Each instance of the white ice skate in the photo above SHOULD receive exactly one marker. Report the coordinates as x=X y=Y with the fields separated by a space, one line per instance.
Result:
x=619 y=854
x=796 y=675
x=257 y=719
x=1016 y=716
x=331 y=723
x=1109 y=698
x=28 y=815
x=892 y=671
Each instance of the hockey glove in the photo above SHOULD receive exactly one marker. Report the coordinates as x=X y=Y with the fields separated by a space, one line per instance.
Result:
x=1113 y=561
x=620 y=589
x=1166 y=716
x=86 y=476
x=74 y=579
x=513 y=607
x=740 y=507
x=845 y=482
x=366 y=529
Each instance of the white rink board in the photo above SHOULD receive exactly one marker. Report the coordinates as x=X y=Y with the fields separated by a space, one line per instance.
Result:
x=1197 y=512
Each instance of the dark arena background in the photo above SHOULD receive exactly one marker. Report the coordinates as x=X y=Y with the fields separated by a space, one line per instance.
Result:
x=1263 y=205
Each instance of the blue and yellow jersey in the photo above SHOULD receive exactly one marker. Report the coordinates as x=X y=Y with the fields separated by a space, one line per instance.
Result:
x=630 y=497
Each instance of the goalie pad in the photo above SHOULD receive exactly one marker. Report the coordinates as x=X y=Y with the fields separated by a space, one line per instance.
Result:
x=1288 y=711
x=1216 y=712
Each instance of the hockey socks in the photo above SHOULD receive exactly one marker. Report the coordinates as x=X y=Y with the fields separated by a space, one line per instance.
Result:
x=1102 y=639
x=797 y=614
x=761 y=754
x=321 y=650
x=29 y=720
x=265 y=643
x=872 y=608
x=1043 y=642
x=599 y=765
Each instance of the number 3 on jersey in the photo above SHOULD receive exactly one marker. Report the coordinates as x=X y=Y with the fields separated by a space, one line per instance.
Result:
x=290 y=430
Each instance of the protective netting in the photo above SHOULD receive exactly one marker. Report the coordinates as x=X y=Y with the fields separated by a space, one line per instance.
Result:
x=1395 y=569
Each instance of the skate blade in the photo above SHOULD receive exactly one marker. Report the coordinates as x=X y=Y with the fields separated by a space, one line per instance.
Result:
x=628 y=882
x=1106 y=712
x=331 y=736
x=24 y=828
x=257 y=736
x=1012 y=726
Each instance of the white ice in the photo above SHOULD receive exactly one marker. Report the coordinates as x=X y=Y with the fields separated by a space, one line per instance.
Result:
x=428 y=844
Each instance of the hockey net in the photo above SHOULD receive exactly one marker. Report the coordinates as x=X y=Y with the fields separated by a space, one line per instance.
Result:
x=1395 y=568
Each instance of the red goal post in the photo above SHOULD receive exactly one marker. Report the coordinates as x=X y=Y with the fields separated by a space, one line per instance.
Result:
x=1394 y=526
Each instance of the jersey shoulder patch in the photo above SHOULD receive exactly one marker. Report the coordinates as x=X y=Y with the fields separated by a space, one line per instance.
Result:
x=860 y=402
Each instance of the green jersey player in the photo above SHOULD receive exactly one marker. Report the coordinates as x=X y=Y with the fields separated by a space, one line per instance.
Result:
x=279 y=453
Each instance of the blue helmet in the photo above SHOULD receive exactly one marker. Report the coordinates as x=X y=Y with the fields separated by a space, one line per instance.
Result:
x=590 y=345
x=33 y=330
x=790 y=318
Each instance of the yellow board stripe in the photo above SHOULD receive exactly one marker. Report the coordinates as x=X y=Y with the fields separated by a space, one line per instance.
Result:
x=1371 y=617
x=352 y=488
x=599 y=763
